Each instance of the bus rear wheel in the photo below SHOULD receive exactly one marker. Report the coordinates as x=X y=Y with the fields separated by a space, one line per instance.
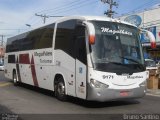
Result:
x=15 y=80
x=60 y=90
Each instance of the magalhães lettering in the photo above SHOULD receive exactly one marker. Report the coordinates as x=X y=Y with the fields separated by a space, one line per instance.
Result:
x=44 y=53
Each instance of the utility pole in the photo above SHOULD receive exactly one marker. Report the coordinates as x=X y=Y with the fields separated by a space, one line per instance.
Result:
x=1 y=49
x=111 y=3
x=45 y=16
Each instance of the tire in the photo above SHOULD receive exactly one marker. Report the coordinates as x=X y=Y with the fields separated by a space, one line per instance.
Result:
x=60 y=90
x=15 y=80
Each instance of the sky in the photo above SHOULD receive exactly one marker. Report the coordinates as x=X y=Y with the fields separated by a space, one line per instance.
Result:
x=15 y=14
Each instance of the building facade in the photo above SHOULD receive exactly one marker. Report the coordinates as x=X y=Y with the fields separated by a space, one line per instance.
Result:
x=150 y=20
x=2 y=51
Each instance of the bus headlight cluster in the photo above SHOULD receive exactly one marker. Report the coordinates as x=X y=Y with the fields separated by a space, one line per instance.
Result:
x=97 y=84
x=143 y=84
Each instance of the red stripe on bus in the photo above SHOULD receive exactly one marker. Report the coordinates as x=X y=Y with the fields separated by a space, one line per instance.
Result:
x=33 y=70
x=24 y=59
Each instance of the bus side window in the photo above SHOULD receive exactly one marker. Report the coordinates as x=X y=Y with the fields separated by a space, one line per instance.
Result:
x=11 y=59
x=65 y=37
x=80 y=44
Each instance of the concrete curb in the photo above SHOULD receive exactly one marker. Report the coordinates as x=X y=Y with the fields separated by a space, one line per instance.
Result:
x=153 y=92
x=148 y=94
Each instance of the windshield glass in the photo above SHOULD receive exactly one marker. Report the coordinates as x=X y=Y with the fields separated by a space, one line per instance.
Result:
x=117 y=48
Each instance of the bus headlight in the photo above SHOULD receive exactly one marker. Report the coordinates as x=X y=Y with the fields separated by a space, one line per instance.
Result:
x=143 y=84
x=97 y=84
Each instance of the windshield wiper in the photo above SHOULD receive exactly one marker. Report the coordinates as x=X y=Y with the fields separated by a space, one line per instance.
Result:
x=117 y=63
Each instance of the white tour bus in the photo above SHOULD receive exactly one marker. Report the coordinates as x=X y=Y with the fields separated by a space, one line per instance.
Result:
x=93 y=58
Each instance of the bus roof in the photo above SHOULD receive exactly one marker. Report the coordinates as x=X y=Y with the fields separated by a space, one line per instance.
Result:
x=83 y=18
x=96 y=18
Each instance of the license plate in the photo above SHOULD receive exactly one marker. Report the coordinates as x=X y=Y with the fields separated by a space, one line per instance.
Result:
x=123 y=93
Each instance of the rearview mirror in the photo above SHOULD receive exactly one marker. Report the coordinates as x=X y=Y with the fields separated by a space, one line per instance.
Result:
x=91 y=32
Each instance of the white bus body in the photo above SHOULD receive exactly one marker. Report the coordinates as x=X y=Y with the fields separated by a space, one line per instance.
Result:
x=68 y=57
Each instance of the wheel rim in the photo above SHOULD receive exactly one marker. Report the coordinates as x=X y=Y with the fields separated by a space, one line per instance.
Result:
x=14 y=78
x=61 y=88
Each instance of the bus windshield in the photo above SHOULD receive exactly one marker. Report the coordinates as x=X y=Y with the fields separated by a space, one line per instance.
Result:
x=117 y=48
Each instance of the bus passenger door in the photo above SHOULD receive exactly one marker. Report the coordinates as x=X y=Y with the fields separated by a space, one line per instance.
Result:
x=81 y=62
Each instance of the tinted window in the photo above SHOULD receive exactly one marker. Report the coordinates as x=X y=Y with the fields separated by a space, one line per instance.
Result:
x=36 y=39
x=80 y=46
x=41 y=38
x=65 y=36
x=11 y=59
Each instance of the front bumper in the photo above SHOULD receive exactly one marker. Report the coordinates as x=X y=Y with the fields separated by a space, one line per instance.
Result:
x=106 y=94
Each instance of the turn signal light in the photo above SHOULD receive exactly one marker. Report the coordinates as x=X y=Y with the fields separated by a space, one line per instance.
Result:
x=91 y=39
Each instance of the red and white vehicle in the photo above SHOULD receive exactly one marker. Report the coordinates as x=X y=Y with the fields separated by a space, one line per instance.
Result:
x=71 y=57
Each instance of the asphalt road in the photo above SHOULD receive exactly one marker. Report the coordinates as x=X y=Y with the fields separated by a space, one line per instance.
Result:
x=28 y=101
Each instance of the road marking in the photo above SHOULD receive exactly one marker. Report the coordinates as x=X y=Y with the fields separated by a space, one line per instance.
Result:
x=3 y=84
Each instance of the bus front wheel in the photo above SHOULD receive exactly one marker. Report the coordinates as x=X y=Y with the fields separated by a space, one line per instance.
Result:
x=60 y=90
x=15 y=80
